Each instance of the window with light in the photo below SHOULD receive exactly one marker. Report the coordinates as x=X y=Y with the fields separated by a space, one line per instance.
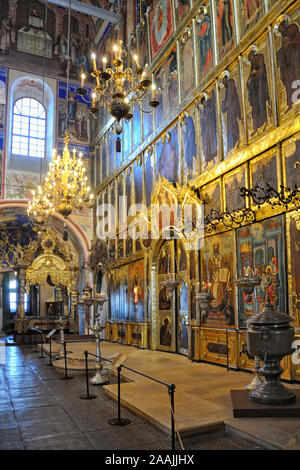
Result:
x=13 y=297
x=29 y=128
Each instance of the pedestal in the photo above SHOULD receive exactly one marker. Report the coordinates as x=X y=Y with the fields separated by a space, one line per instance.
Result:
x=243 y=407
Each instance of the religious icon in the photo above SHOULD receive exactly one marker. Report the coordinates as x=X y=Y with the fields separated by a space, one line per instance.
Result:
x=288 y=61
x=187 y=66
x=250 y=12
x=225 y=26
x=182 y=7
x=259 y=93
x=204 y=41
x=264 y=170
x=190 y=152
x=208 y=126
x=165 y=336
x=291 y=155
x=138 y=182
x=232 y=182
x=217 y=265
x=260 y=249
x=161 y=24
x=231 y=107
x=293 y=224
x=167 y=157
x=166 y=79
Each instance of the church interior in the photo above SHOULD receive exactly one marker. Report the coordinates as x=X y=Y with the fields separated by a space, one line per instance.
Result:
x=149 y=224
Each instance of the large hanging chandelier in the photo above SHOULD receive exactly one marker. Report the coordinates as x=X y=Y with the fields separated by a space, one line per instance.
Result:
x=66 y=184
x=40 y=208
x=119 y=87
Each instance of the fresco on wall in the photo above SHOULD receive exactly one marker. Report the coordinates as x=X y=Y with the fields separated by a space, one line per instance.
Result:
x=166 y=78
x=293 y=246
x=182 y=7
x=232 y=181
x=97 y=166
x=287 y=46
x=187 y=65
x=75 y=113
x=225 y=27
x=26 y=29
x=233 y=129
x=250 y=12
x=191 y=165
x=161 y=24
x=167 y=156
x=18 y=185
x=204 y=40
x=217 y=273
x=136 y=290
x=258 y=87
x=208 y=130
x=291 y=155
x=260 y=249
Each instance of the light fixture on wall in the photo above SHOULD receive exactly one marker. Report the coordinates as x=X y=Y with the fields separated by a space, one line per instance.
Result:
x=119 y=87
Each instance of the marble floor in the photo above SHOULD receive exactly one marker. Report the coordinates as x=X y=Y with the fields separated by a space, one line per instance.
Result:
x=40 y=411
x=202 y=397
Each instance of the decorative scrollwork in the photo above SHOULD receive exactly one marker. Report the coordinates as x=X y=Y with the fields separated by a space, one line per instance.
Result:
x=261 y=195
x=230 y=220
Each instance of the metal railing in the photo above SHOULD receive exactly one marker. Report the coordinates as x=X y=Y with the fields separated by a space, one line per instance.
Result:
x=124 y=421
x=37 y=331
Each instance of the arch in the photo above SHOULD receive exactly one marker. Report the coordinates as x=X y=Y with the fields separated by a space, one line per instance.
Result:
x=49 y=265
x=77 y=236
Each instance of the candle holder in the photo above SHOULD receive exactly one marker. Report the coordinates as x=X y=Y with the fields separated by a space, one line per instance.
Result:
x=99 y=378
x=170 y=284
x=248 y=283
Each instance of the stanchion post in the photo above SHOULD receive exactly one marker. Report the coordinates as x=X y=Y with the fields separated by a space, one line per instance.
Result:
x=119 y=421
x=87 y=396
x=42 y=347
x=171 y=390
x=50 y=353
x=35 y=349
x=66 y=377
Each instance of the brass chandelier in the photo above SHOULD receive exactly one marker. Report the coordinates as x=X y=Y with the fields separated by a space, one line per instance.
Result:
x=40 y=208
x=119 y=87
x=66 y=183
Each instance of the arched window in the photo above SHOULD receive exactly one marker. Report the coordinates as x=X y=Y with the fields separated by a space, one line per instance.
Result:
x=29 y=128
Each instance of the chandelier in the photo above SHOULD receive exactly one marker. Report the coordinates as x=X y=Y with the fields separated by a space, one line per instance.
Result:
x=119 y=87
x=66 y=184
x=40 y=207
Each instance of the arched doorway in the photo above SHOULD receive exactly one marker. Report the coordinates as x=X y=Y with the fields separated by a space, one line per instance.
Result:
x=172 y=311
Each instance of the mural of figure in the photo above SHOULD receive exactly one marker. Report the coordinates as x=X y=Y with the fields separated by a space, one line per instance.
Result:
x=72 y=107
x=231 y=106
x=288 y=58
x=189 y=143
x=181 y=8
x=205 y=44
x=164 y=334
x=5 y=35
x=81 y=61
x=188 y=77
x=208 y=126
x=225 y=14
x=80 y=125
x=62 y=120
x=258 y=91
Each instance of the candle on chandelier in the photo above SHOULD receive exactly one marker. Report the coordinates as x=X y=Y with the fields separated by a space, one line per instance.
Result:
x=94 y=99
x=136 y=59
x=153 y=87
x=94 y=62
x=82 y=80
x=104 y=60
x=115 y=48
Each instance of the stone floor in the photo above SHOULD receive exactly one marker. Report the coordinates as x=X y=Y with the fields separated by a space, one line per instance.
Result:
x=39 y=410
